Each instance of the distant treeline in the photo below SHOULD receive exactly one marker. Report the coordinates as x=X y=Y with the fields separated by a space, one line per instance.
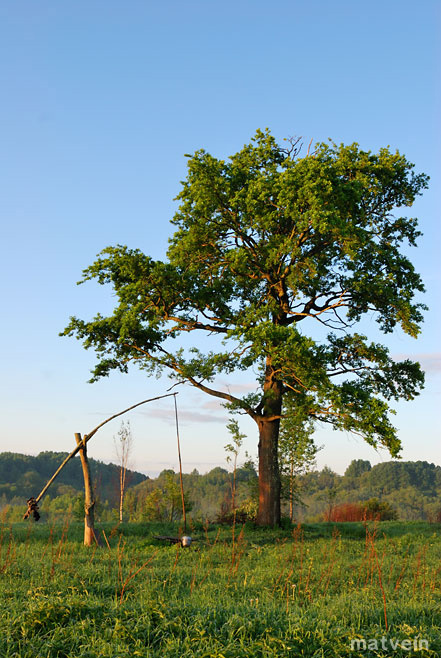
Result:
x=22 y=476
x=411 y=489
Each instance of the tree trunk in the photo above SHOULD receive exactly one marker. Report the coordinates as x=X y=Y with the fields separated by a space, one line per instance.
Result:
x=89 y=502
x=269 y=476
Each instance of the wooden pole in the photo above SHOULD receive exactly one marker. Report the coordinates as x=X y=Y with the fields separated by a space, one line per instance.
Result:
x=291 y=490
x=89 y=502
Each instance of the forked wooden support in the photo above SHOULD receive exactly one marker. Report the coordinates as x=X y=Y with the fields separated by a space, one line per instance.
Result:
x=89 y=498
x=89 y=502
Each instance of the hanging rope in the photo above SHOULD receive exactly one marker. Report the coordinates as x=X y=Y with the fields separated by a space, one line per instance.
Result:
x=184 y=541
x=180 y=465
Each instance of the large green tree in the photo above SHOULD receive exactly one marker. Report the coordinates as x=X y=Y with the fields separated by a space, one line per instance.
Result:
x=276 y=257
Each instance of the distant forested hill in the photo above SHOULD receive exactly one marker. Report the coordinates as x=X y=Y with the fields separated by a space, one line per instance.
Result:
x=413 y=489
x=22 y=476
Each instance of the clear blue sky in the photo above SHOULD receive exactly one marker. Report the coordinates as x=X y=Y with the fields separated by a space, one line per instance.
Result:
x=100 y=101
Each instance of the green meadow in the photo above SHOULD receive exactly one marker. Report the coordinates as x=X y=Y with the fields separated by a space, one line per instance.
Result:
x=315 y=590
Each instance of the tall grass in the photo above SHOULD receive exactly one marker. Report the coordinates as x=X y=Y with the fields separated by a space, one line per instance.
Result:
x=306 y=591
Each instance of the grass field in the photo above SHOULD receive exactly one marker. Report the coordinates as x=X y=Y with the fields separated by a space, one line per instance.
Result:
x=319 y=590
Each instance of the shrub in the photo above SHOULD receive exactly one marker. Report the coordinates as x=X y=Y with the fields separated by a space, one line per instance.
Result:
x=369 y=510
x=346 y=512
x=382 y=511
x=247 y=511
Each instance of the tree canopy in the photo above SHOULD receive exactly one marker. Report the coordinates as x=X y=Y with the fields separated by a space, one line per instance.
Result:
x=357 y=467
x=266 y=243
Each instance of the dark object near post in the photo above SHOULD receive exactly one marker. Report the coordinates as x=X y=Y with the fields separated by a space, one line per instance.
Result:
x=32 y=509
x=185 y=541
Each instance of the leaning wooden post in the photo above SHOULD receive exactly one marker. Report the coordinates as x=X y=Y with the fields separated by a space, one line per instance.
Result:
x=81 y=446
x=89 y=502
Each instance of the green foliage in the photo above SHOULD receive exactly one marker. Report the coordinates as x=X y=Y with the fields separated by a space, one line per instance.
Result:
x=237 y=438
x=155 y=508
x=245 y=512
x=357 y=467
x=296 y=452
x=78 y=508
x=265 y=243
x=164 y=503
